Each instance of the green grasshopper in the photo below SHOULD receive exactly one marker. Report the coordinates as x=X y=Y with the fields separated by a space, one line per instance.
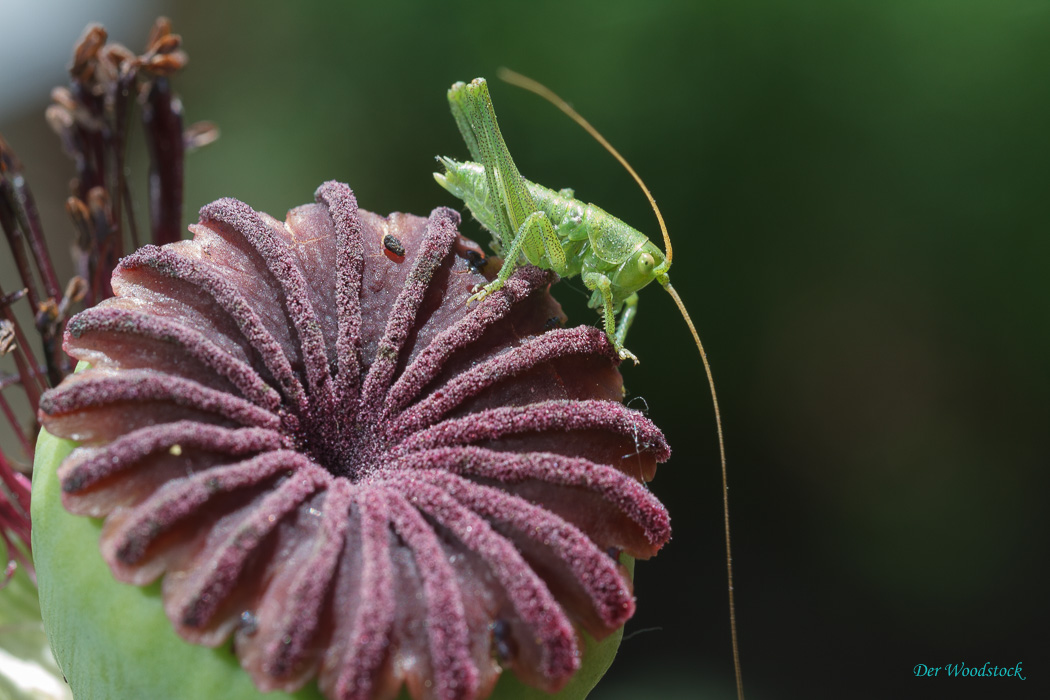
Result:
x=555 y=231
x=550 y=229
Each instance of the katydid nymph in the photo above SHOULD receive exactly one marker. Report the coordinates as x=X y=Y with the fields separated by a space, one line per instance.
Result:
x=553 y=230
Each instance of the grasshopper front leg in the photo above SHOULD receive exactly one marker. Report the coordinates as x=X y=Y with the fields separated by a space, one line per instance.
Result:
x=603 y=288
x=535 y=238
x=630 y=310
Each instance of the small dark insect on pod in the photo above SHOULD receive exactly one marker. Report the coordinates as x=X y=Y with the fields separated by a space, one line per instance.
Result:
x=552 y=323
x=475 y=260
x=393 y=249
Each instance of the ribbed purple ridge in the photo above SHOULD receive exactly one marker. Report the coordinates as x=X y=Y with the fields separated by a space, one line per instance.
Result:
x=337 y=466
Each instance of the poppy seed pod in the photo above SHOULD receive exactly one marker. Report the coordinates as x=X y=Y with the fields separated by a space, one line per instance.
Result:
x=313 y=454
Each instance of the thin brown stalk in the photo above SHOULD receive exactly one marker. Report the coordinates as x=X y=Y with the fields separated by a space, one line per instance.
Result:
x=16 y=241
x=162 y=118
x=32 y=380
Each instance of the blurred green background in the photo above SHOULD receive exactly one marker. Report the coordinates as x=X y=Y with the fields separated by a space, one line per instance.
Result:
x=858 y=193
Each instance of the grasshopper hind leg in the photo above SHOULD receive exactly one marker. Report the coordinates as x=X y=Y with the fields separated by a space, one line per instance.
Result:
x=519 y=229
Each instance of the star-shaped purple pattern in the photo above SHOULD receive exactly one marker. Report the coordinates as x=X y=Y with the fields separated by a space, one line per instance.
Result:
x=327 y=456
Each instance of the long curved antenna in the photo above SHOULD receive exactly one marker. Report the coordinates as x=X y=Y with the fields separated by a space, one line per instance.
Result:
x=509 y=76
x=543 y=91
x=725 y=485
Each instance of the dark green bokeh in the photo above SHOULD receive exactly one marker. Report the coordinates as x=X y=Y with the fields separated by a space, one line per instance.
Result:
x=858 y=196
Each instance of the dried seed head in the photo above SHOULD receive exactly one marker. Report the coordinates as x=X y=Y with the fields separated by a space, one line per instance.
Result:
x=11 y=297
x=165 y=64
x=163 y=55
x=7 y=337
x=76 y=290
x=115 y=56
x=86 y=51
x=329 y=459
x=199 y=135
x=166 y=44
x=62 y=97
x=60 y=119
x=160 y=30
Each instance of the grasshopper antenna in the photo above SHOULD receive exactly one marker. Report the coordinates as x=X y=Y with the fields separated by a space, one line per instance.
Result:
x=509 y=76
x=725 y=484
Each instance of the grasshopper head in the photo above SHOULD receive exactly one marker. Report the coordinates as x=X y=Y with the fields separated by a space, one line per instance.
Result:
x=646 y=264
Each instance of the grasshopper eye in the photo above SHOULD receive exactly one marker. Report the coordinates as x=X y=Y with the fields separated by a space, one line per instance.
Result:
x=645 y=263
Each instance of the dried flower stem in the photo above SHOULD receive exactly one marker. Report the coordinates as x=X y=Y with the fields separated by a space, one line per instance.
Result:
x=31 y=378
x=20 y=222
x=162 y=117
x=91 y=118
